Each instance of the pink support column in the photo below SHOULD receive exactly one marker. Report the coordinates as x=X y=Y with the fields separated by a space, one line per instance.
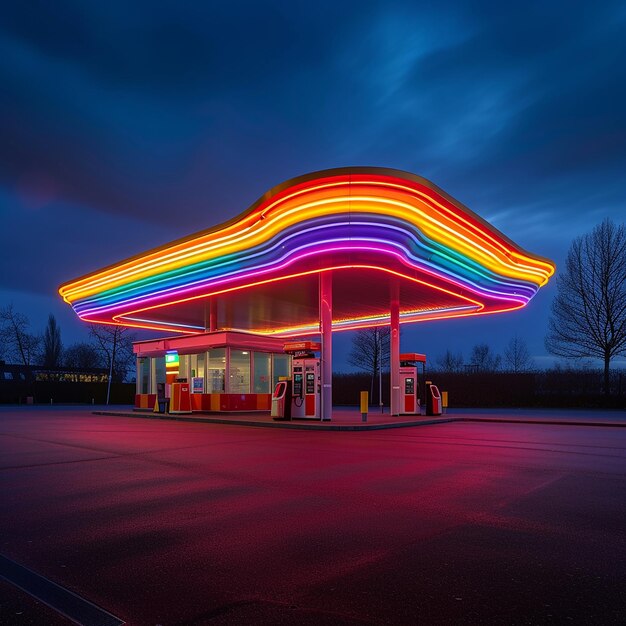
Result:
x=212 y=315
x=394 y=366
x=326 y=323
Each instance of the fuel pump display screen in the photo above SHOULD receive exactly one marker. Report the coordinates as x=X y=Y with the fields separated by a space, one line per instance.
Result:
x=297 y=385
x=310 y=382
x=409 y=386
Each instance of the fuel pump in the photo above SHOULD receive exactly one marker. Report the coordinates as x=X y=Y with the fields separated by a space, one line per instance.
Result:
x=410 y=403
x=433 y=399
x=306 y=380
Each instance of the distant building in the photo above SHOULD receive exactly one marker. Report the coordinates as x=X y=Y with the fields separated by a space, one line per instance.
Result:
x=13 y=373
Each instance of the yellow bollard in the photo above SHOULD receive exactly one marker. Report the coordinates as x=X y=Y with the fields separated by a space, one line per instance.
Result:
x=444 y=400
x=364 y=405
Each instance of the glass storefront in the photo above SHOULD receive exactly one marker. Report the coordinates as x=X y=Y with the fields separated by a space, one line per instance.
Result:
x=248 y=372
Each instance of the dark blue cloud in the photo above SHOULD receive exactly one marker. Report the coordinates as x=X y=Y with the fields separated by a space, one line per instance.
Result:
x=125 y=125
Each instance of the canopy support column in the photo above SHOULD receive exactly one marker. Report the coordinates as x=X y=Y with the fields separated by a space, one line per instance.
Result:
x=394 y=352
x=212 y=315
x=326 y=326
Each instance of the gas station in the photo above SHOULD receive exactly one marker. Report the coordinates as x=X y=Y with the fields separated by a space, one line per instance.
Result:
x=250 y=306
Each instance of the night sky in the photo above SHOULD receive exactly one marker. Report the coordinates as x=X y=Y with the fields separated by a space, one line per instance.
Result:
x=126 y=125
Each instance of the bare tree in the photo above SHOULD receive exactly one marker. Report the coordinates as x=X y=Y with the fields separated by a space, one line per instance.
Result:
x=115 y=344
x=52 y=346
x=516 y=356
x=589 y=311
x=450 y=362
x=82 y=356
x=20 y=345
x=483 y=359
x=370 y=351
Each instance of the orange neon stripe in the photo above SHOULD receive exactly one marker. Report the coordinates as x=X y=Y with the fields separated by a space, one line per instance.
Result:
x=336 y=195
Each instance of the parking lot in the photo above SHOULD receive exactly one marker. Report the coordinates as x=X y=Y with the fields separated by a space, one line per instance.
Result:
x=162 y=522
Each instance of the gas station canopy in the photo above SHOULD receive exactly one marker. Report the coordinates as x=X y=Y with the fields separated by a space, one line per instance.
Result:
x=374 y=228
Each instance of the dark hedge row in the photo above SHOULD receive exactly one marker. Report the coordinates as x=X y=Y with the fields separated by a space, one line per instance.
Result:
x=64 y=392
x=553 y=388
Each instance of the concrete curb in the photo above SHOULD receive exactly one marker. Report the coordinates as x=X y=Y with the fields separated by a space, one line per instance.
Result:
x=552 y=422
x=295 y=425
x=278 y=424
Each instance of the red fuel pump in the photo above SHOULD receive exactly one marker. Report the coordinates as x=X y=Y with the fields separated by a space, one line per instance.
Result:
x=306 y=380
x=181 y=397
x=306 y=388
x=281 y=401
x=433 y=399
x=410 y=403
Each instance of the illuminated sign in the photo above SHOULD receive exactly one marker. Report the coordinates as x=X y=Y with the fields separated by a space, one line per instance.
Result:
x=302 y=346
x=413 y=356
x=172 y=363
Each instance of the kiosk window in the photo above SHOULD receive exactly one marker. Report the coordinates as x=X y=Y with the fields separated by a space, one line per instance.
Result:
x=143 y=375
x=239 y=375
x=215 y=370
x=159 y=370
x=183 y=366
x=261 y=364
x=197 y=365
x=281 y=367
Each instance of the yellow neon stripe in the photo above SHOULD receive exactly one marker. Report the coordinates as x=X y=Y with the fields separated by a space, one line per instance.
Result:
x=333 y=206
x=235 y=238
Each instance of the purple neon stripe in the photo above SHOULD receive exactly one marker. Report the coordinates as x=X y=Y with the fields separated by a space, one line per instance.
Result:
x=306 y=235
x=381 y=247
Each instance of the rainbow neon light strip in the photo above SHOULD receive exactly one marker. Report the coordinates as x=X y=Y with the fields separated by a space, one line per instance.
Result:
x=367 y=218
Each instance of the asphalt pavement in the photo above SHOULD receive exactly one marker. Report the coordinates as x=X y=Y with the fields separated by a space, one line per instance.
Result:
x=167 y=522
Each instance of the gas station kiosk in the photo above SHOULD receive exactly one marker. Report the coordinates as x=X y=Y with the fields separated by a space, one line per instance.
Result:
x=327 y=251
